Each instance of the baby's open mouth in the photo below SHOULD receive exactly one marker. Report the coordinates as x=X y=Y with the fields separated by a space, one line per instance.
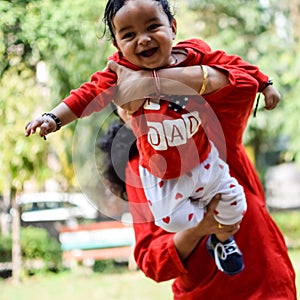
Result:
x=148 y=53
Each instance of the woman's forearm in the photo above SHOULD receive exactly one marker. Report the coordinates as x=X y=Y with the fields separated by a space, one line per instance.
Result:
x=191 y=78
x=185 y=242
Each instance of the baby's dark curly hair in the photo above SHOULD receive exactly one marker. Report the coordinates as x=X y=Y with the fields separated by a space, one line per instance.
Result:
x=113 y=6
x=118 y=147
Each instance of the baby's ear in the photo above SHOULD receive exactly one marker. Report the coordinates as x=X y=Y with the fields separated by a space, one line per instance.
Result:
x=174 y=28
x=116 y=44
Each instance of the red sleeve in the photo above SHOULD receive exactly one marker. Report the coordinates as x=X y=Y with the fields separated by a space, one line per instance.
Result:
x=230 y=110
x=155 y=252
x=94 y=95
x=222 y=60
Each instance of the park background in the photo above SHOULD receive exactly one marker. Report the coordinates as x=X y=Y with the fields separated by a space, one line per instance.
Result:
x=49 y=47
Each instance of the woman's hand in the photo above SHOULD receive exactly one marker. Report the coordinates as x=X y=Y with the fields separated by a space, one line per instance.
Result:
x=132 y=87
x=209 y=225
x=185 y=241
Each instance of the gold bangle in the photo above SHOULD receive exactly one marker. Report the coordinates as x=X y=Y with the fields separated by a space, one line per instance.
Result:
x=205 y=79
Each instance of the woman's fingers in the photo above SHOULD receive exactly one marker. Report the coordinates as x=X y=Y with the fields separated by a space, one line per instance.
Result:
x=112 y=65
x=210 y=218
x=133 y=87
x=213 y=203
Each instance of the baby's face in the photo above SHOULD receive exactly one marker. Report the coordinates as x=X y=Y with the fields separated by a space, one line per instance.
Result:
x=144 y=34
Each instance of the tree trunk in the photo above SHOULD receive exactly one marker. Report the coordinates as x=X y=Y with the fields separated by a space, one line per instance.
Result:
x=4 y=216
x=16 y=245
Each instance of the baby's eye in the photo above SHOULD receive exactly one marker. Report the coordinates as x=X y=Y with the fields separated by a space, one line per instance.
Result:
x=128 y=35
x=153 y=27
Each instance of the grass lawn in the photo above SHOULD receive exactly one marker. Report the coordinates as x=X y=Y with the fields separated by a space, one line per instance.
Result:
x=295 y=257
x=83 y=284
x=289 y=224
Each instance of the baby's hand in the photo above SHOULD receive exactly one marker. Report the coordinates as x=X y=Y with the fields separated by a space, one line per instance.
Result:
x=272 y=97
x=45 y=123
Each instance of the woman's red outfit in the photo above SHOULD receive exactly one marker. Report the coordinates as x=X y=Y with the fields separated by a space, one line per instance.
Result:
x=268 y=272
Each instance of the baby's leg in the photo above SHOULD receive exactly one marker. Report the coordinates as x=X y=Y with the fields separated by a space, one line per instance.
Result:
x=187 y=215
x=230 y=210
x=169 y=201
x=213 y=178
x=232 y=205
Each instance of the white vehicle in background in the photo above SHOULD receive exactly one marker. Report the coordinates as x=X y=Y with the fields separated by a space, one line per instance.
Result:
x=48 y=207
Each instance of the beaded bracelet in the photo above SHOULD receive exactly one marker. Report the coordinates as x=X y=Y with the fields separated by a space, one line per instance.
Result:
x=55 y=118
x=269 y=82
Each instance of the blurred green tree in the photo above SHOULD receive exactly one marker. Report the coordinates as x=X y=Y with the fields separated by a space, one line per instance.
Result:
x=63 y=36
x=265 y=33
x=63 y=39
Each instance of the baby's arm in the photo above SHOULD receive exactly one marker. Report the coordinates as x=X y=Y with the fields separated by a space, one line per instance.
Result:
x=59 y=116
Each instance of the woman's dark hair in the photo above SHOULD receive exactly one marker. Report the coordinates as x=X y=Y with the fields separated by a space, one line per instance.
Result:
x=118 y=147
x=113 y=6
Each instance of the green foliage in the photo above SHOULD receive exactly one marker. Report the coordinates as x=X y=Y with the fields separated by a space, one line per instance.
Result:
x=5 y=248
x=18 y=159
x=106 y=266
x=36 y=244
x=66 y=38
x=266 y=34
